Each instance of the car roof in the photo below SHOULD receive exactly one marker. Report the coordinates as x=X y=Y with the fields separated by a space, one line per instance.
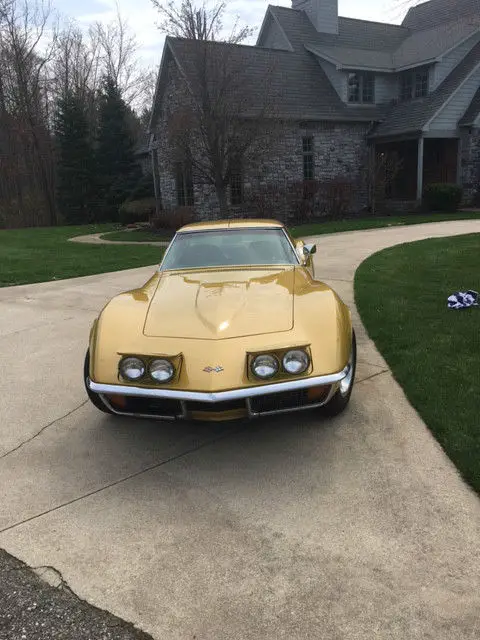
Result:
x=218 y=225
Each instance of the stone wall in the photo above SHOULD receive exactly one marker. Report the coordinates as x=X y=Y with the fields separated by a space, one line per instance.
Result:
x=340 y=151
x=470 y=161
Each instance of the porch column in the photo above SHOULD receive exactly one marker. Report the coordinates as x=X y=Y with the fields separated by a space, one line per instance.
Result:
x=421 y=145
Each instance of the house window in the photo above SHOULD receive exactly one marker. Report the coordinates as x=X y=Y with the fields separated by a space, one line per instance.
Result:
x=421 y=83
x=308 y=159
x=414 y=84
x=236 y=187
x=361 y=88
x=406 y=86
x=184 y=184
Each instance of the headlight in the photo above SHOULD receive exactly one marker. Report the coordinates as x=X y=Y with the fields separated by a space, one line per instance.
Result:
x=132 y=368
x=161 y=370
x=296 y=362
x=265 y=366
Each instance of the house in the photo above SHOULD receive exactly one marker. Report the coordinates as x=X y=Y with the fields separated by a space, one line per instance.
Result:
x=343 y=89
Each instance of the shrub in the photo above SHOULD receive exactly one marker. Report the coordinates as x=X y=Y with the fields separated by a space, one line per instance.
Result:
x=302 y=199
x=442 y=197
x=265 y=201
x=134 y=211
x=172 y=218
x=336 y=196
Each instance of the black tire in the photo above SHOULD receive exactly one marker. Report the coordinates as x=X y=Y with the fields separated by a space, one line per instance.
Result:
x=340 y=400
x=93 y=397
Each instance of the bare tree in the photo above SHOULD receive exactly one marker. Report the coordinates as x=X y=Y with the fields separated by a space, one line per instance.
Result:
x=202 y=21
x=25 y=52
x=118 y=54
x=223 y=117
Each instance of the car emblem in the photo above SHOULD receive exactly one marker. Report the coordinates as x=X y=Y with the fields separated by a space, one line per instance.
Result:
x=213 y=369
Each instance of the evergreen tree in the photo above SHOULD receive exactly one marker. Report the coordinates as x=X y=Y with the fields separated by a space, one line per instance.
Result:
x=117 y=171
x=75 y=160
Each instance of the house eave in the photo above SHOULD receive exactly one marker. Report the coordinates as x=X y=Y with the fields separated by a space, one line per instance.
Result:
x=341 y=66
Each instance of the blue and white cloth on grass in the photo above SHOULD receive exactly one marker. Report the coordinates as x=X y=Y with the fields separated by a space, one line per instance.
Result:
x=463 y=300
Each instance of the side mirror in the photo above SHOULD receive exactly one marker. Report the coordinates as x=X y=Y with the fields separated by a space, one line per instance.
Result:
x=309 y=250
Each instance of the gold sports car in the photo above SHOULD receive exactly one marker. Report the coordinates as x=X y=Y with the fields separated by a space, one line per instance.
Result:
x=232 y=324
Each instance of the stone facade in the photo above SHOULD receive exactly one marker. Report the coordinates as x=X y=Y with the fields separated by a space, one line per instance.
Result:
x=340 y=151
x=470 y=164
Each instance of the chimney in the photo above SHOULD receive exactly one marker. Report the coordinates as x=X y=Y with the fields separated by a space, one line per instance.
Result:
x=322 y=13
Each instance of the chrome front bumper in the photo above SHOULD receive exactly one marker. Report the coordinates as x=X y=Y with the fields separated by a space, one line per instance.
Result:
x=217 y=398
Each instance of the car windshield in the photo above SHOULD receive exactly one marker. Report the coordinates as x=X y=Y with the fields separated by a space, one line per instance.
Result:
x=228 y=248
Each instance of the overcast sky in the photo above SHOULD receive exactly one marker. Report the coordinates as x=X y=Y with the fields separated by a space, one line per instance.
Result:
x=142 y=18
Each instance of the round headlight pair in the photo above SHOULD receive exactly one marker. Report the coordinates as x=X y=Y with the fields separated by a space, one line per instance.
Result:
x=294 y=362
x=160 y=370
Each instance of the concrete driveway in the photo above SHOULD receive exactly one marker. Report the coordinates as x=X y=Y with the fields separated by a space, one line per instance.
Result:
x=293 y=527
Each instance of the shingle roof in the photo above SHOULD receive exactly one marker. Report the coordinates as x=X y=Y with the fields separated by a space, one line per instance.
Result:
x=473 y=111
x=354 y=58
x=296 y=84
x=353 y=34
x=375 y=45
x=432 y=13
x=413 y=115
x=429 y=44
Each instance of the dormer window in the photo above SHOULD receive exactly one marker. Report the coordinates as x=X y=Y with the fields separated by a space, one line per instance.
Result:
x=414 y=84
x=361 y=88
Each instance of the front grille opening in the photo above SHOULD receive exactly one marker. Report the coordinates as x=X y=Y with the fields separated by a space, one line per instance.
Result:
x=160 y=407
x=287 y=400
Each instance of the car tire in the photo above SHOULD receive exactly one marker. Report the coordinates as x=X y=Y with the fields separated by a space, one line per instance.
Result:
x=93 y=397
x=340 y=400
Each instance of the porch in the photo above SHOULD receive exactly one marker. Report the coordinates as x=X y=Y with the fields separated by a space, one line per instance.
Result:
x=404 y=167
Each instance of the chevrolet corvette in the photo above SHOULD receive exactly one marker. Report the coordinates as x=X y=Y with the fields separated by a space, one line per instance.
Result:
x=232 y=324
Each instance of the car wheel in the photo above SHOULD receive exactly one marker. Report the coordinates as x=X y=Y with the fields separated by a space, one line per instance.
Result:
x=93 y=397
x=341 y=398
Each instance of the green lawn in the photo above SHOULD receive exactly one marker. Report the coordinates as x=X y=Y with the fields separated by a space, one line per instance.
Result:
x=315 y=229
x=39 y=255
x=433 y=351
x=140 y=236
x=377 y=223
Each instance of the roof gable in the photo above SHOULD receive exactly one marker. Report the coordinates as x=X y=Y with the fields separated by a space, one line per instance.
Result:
x=270 y=21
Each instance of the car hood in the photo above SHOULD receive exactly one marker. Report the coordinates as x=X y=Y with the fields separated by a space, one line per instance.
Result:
x=216 y=305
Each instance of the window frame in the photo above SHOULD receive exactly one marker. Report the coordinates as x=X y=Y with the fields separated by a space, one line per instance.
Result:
x=414 y=83
x=237 y=195
x=364 y=88
x=308 y=155
x=184 y=184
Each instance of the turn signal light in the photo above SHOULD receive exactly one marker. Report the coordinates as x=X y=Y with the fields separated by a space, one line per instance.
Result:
x=317 y=394
x=119 y=402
